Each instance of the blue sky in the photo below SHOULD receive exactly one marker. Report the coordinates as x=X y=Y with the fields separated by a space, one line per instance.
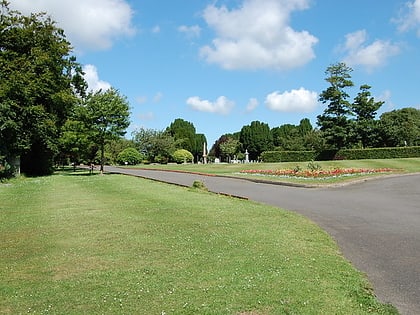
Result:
x=221 y=64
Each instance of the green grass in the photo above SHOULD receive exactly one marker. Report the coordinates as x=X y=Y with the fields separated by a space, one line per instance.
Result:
x=77 y=244
x=408 y=165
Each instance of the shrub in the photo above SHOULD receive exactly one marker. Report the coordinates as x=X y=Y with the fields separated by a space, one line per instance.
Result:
x=197 y=184
x=130 y=156
x=343 y=154
x=181 y=156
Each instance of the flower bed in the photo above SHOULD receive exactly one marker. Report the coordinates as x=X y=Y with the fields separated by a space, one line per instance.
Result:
x=319 y=173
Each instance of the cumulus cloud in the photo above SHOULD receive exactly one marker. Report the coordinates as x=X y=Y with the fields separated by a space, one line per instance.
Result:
x=190 y=31
x=156 y=29
x=146 y=116
x=92 y=78
x=371 y=55
x=158 y=97
x=252 y=104
x=300 y=101
x=88 y=24
x=410 y=17
x=221 y=106
x=258 y=35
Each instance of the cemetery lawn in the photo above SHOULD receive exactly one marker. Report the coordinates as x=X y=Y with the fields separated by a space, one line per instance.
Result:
x=74 y=243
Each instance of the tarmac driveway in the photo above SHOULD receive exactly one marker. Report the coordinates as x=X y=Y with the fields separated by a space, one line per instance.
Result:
x=376 y=223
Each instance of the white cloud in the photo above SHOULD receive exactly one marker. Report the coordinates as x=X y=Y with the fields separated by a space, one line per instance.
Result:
x=156 y=29
x=146 y=116
x=257 y=35
x=221 y=106
x=252 y=104
x=141 y=99
x=190 y=31
x=158 y=97
x=370 y=56
x=92 y=78
x=410 y=18
x=298 y=101
x=88 y=24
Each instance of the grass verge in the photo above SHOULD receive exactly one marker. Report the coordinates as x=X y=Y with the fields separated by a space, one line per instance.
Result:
x=78 y=244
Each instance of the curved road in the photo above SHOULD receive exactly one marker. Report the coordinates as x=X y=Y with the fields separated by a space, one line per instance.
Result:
x=376 y=223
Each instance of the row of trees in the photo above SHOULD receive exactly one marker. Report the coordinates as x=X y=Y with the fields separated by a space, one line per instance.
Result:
x=343 y=124
x=46 y=113
x=160 y=145
x=395 y=128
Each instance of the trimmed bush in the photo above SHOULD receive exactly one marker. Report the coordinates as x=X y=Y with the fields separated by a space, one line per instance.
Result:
x=181 y=156
x=344 y=154
x=130 y=156
x=288 y=156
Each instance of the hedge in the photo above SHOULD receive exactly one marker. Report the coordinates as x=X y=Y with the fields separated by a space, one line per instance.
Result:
x=343 y=154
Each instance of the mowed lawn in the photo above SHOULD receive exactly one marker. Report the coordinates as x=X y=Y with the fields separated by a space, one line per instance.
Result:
x=78 y=244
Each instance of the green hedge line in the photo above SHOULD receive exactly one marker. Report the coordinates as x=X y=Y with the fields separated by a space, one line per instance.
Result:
x=344 y=154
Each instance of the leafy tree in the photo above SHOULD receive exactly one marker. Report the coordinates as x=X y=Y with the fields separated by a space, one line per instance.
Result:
x=289 y=137
x=215 y=150
x=154 y=144
x=365 y=109
x=334 y=122
x=39 y=86
x=184 y=134
x=131 y=156
x=74 y=142
x=256 y=138
x=229 y=147
x=182 y=155
x=400 y=127
x=106 y=114
x=114 y=147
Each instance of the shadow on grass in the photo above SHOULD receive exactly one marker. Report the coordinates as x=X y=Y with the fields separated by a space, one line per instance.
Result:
x=71 y=171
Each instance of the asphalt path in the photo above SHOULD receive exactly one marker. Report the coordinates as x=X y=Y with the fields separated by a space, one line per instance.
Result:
x=376 y=223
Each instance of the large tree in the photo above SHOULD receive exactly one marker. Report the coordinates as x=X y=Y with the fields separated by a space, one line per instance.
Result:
x=334 y=122
x=156 y=145
x=39 y=84
x=400 y=127
x=256 y=138
x=365 y=126
x=184 y=134
x=106 y=114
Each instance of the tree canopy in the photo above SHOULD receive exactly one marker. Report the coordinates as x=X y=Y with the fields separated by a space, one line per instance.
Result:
x=39 y=85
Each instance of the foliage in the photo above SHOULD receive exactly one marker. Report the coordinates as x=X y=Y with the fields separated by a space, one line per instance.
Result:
x=198 y=184
x=181 y=156
x=154 y=144
x=365 y=127
x=289 y=137
x=183 y=133
x=75 y=144
x=288 y=156
x=334 y=122
x=200 y=142
x=39 y=86
x=229 y=147
x=114 y=147
x=256 y=138
x=106 y=115
x=343 y=154
x=216 y=151
x=130 y=156
x=401 y=127
x=6 y=170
